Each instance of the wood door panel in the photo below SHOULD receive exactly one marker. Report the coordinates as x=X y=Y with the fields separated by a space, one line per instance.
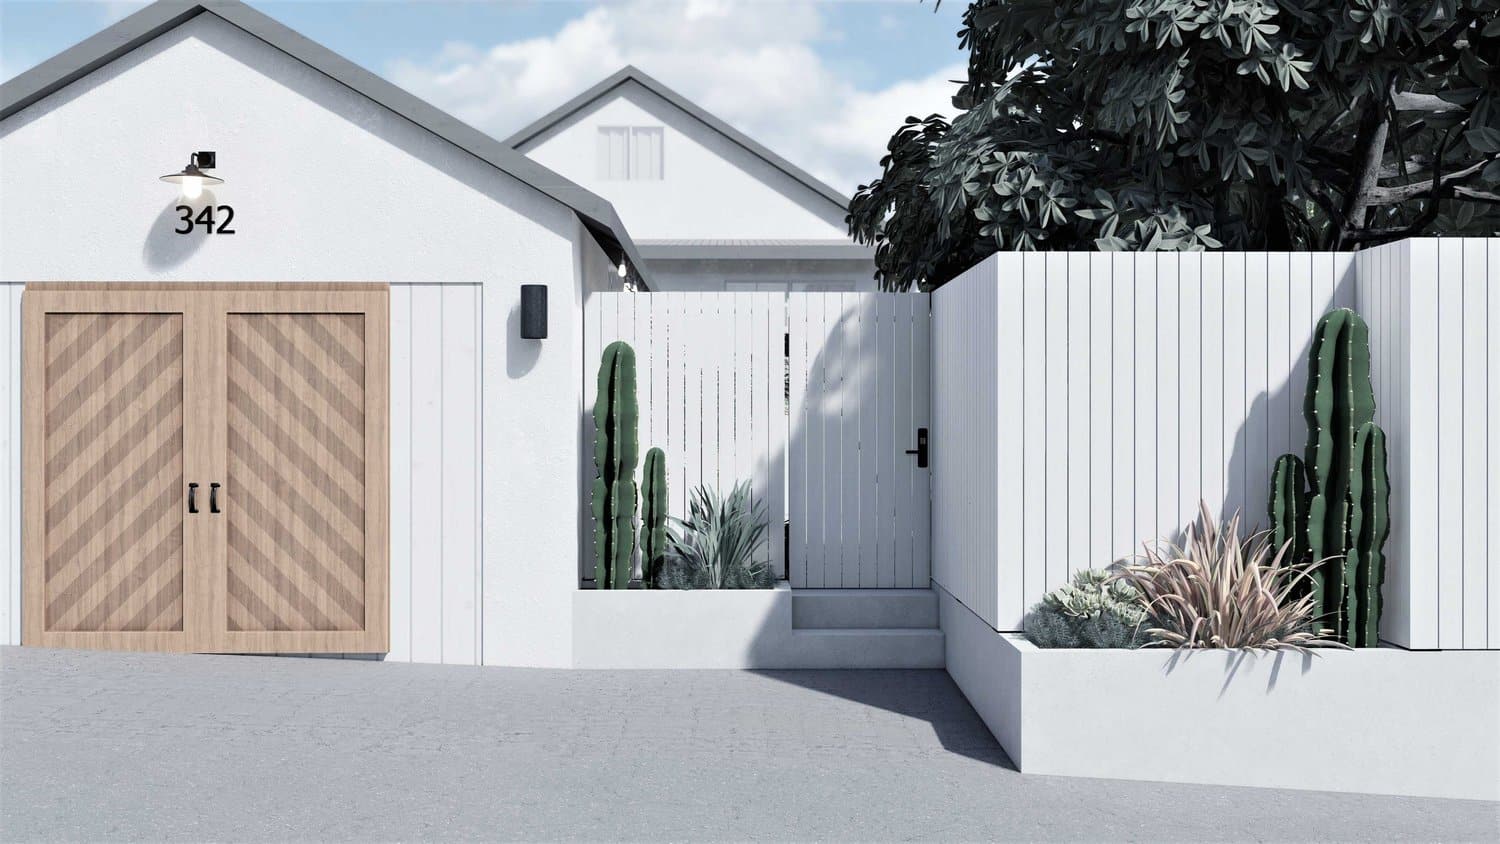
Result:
x=296 y=475
x=103 y=451
x=114 y=472
x=275 y=394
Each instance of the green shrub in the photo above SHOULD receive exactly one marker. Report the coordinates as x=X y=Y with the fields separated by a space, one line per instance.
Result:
x=719 y=545
x=1093 y=611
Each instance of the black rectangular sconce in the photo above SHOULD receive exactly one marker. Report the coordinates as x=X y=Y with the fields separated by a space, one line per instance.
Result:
x=533 y=312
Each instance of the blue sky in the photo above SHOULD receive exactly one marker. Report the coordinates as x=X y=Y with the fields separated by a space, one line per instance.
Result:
x=823 y=83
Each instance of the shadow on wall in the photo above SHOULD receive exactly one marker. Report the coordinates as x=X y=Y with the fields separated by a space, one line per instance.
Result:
x=1257 y=444
x=165 y=249
x=520 y=355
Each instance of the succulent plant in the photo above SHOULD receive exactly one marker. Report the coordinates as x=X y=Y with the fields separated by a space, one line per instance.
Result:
x=1094 y=611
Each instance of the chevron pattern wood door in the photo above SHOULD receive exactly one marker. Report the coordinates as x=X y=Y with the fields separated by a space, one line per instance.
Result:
x=305 y=491
x=271 y=401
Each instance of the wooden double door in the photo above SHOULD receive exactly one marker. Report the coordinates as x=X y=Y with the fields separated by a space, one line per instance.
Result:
x=205 y=467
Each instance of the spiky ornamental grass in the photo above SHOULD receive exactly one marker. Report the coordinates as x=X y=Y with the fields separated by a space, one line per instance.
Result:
x=719 y=544
x=1094 y=611
x=1217 y=590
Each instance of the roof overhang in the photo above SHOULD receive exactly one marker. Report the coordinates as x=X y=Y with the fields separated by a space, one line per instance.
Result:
x=750 y=250
x=596 y=214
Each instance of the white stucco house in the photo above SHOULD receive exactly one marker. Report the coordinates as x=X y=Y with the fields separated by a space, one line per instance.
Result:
x=332 y=175
x=709 y=207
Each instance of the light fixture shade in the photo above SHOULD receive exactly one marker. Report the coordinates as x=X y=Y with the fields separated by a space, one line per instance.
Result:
x=192 y=171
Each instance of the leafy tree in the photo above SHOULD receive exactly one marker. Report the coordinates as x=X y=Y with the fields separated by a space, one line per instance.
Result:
x=1196 y=124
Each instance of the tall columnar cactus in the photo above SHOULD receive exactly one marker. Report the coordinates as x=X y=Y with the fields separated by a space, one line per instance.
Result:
x=1339 y=525
x=616 y=415
x=1339 y=400
x=1369 y=525
x=653 y=516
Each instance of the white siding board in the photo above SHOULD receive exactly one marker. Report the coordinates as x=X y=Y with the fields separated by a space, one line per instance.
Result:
x=461 y=457
x=427 y=569
x=401 y=465
x=1450 y=442
x=1079 y=419
x=1054 y=481
x=1474 y=402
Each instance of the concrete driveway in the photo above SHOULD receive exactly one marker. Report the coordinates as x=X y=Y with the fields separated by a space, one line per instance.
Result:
x=107 y=746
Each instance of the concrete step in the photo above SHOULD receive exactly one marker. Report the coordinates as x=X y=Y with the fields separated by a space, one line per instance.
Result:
x=889 y=648
x=864 y=609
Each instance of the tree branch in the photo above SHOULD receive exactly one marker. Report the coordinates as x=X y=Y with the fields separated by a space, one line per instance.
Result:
x=1475 y=195
x=1417 y=190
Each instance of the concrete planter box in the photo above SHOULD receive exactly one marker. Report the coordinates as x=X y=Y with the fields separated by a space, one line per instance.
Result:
x=1384 y=721
x=666 y=628
x=729 y=628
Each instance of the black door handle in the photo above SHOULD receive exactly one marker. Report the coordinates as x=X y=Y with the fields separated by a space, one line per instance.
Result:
x=213 y=498
x=192 y=494
x=921 y=450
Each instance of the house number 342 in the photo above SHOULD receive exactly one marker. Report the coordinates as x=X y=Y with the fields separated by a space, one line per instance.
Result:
x=205 y=218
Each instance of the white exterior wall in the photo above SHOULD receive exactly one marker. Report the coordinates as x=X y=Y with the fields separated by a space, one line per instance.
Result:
x=329 y=186
x=711 y=187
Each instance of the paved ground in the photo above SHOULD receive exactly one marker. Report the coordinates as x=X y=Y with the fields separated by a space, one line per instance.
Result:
x=120 y=746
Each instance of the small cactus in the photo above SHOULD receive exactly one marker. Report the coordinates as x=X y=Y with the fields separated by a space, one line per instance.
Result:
x=1288 y=508
x=653 y=516
x=1369 y=526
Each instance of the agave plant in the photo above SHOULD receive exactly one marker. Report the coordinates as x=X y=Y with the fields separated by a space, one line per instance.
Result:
x=719 y=545
x=1216 y=590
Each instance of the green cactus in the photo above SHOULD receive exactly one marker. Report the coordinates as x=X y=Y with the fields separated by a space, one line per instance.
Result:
x=1288 y=507
x=616 y=415
x=653 y=516
x=1339 y=401
x=1341 y=522
x=1369 y=526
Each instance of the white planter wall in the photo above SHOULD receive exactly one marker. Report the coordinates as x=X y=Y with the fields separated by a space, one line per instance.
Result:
x=1375 y=720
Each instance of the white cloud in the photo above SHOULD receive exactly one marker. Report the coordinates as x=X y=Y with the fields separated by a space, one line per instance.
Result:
x=754 y=64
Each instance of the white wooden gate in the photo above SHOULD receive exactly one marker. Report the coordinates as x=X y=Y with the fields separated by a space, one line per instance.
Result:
x=812 y=397
x=858 y=500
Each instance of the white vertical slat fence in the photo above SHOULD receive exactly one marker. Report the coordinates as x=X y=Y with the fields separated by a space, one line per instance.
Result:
x=710 y=373
x=1434 y=312
x=813 y=397
x=1084 y=403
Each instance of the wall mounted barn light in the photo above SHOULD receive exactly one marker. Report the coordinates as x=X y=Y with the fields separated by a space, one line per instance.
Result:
x=192 y=178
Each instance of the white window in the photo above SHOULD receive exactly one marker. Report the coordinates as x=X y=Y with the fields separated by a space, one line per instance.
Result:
x=630 y=153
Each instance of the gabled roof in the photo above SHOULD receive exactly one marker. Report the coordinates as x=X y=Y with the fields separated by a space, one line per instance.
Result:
x=630 y=74
x=160 y=17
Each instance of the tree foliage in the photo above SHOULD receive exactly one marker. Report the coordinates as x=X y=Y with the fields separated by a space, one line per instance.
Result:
x=1196 y=124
